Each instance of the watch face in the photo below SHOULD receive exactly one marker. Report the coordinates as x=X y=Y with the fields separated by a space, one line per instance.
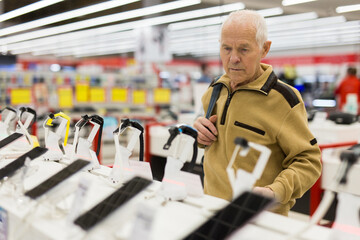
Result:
x=232 y=217
x=99 y=212
x=10 y=139
x=54 y=180
x=11 y=168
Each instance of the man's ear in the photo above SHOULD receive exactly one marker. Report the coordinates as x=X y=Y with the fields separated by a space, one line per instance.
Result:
x=265 y=49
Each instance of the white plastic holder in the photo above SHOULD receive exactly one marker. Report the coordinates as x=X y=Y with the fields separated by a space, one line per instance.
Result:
x=5 y=124
x=173 y=185
x=25 y=143
x=243 y=180
x=81 y=147
x=124 y=168
x=52 y=142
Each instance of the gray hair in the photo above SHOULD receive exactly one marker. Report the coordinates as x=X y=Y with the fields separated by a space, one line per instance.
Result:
x=257 y=21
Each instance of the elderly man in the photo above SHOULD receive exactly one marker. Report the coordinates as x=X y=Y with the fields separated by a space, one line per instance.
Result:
x=255 y=105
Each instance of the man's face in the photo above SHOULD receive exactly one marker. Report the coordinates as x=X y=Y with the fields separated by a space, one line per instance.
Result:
x=240 y=53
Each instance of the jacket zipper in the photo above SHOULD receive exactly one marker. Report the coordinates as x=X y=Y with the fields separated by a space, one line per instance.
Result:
x=230 y=95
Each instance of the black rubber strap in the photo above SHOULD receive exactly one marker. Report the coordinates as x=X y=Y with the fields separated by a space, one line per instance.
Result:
x=214 y=96
x=141 y=138
x=193 y=133
x=126 y=123
x=99 y=120
x=29 y=110
x=174 y=131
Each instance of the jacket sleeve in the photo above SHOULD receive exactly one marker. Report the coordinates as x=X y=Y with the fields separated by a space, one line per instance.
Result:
x=302 y=164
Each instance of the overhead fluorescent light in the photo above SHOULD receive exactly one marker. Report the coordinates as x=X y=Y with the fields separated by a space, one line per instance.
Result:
x=196 y=23
x=28 y=8
x=100 y=52
x=65 y=16
x=220 y=19
x=293 y=2
x=123 y=26
x=291 y=18
x=348 y=8
x=101 y=21
x=270 y=12
x=307 y=24
x=96 y=41
x=88 y=48
x=338 y=29
x=204 y=31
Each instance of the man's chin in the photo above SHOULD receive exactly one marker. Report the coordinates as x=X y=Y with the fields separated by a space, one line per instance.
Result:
x=236 y=78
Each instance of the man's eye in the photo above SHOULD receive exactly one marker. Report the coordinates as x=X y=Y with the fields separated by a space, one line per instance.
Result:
x=244 y=50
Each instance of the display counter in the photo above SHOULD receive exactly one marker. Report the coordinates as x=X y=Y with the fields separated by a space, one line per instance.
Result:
x=23 y=218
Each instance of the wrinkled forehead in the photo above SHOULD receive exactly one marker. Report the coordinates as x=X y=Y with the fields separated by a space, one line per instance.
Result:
x=234 y=28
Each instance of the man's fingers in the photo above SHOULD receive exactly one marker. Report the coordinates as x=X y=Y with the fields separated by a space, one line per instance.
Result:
x=203 y=139
x=207 y=133
x=209 y=123
x=206 y=130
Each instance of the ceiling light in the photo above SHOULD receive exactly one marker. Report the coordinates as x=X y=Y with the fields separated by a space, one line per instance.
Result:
x=65 y=16
x=196 y=23
x=270 y=12
x=291 y=18
x=307 y=24
x=88 y=48
x=352 y=26
x=204 y=31
x=123 y=26
x=26 y=9
x=348 y=8
x=293 y=2
x=220 y=19
x=101 y=20
x=118 y=37
x=99 y=52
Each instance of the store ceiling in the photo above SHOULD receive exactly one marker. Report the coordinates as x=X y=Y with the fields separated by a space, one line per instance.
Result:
x=123 y=39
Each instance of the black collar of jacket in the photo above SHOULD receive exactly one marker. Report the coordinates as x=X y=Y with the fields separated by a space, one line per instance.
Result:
x=270 y=83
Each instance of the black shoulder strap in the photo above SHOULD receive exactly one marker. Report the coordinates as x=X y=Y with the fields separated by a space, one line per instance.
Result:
x=214 y=96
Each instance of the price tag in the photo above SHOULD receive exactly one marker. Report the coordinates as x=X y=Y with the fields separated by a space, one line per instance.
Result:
x=97 y=94
x=82 y=93
x=119 y=95
x=143 y=222
x=3 y=224
x=139 y=168
x=139 y=96
x=192 y=183
x=65 y=97
x=162 y=95
x=20 y=96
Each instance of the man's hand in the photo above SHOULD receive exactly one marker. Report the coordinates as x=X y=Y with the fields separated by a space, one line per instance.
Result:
x=206 y=130
x=266 y=192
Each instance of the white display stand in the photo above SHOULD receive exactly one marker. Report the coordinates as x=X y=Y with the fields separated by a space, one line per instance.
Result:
x=158 y=138
x=329 y=132
x=171 y=220
x=331 y=163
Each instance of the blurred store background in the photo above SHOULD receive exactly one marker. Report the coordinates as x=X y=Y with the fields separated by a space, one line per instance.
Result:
x=150 y=60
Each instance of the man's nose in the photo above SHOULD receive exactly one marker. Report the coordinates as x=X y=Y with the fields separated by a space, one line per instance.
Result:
x=234 y=58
